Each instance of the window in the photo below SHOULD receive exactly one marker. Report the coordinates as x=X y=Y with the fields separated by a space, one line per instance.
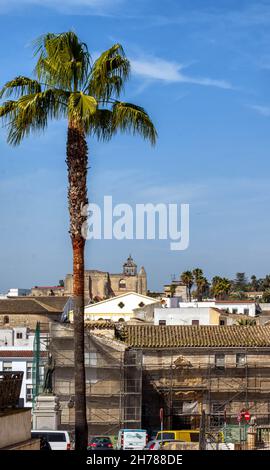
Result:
x=240 y=359
x=222 y=322
x=29 y=392
x=121 y=305
x=7 y=366
x=29 y=370
x=235 y=310
x=195 y=322
x=220 y=360
x=218 y=408
x=162 y=322
x=90 y=358
x=19 y=335
x=246 y=311
x=122 y=284
x=141 y=304
x=121 y=319
x=6 y=319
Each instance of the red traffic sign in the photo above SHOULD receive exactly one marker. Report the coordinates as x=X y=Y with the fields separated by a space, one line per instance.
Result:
x=244 y=414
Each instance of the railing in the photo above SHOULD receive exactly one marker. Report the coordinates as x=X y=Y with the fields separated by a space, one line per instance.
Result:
x=10 y=388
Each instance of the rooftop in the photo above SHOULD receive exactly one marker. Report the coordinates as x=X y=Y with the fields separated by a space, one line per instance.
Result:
x=32 y=305
x=150 y=336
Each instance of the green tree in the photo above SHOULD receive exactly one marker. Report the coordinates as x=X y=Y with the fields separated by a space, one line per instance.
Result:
x=254 y=283
x=246 y=322
x=202 y=285
x=240 y=283
x=67 y=84
x=187 y=279
x=266 y=296
x=221 y=287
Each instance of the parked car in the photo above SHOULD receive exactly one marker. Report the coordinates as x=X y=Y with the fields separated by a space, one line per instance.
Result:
x=156 y=444
x=100 y=443
x=132 y=439
x=184 y=435
x=58 y=440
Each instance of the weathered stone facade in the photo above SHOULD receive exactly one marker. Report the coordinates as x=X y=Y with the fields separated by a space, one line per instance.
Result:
x=131 y=374
x=99 y=285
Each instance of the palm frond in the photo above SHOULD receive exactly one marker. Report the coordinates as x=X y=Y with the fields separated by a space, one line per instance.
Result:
x=99 y=124
x=132 y=118
x=63 y=60
x=20 y=86
x=109 y=73
x=31 y=113
x=81 y=106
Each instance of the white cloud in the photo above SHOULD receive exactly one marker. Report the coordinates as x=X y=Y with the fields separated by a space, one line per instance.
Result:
x=262 y=110
x=63 y=6
x=159 y=69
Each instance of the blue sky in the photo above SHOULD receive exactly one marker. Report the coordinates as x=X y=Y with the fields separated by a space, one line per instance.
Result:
x=201 y=68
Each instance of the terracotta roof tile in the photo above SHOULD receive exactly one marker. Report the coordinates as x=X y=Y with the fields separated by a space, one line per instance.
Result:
x=150 y=336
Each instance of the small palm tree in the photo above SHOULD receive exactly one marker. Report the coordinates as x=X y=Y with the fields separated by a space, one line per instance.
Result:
x=246 y=322
x=68 y=85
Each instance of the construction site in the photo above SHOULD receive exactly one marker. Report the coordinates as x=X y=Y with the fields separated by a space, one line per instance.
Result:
x=132 y=372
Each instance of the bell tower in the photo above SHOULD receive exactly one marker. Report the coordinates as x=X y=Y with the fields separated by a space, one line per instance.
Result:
x=130 y=267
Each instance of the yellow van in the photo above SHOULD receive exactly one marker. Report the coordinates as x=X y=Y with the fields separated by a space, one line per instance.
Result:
x=185 y=435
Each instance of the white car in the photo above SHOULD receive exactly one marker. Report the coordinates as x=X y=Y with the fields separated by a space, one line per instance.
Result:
x=58 y=440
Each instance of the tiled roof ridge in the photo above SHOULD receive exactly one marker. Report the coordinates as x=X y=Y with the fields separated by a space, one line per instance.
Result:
x=195 y=336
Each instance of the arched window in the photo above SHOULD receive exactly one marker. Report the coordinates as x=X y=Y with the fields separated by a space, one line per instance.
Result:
x=6 y=319
x=100 y=319
x=121 y=319
x=122 y=284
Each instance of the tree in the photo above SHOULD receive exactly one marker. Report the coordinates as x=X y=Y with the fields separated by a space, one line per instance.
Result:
x=221 y=287
x=68 y=85
x=201 y=283
x=202 y=288
x=246 y=322
x=240 y=282
x=187 y=279
x=254 y=283
x=266 y=296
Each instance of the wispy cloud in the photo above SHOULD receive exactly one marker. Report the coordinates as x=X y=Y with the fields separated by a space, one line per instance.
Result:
x=262 y=110
x=155 y=68
x=99 y=7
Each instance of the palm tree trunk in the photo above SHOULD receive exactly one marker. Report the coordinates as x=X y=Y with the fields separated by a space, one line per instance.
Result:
x=77 y=198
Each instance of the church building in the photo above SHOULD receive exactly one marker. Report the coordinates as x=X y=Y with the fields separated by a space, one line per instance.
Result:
x=99 y=285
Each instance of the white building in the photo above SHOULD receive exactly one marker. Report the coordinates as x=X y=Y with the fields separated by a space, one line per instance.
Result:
x=243 y=307
x=187 y=316
x=119 y=308
x=16 y=354
x=16 y=292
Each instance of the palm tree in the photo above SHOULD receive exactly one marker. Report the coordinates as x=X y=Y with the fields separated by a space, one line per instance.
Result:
x=221 y=287
x=246 y=322
x=201 y=283
x=188 y=279
x=202 y=287
x=68 y=85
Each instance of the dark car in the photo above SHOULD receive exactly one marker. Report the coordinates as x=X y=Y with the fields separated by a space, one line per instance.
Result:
x=100 y=442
